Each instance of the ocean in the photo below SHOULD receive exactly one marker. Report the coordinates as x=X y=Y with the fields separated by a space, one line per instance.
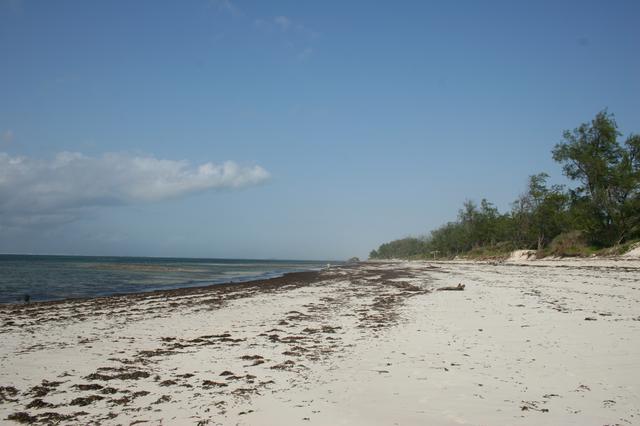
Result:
x=45 y=278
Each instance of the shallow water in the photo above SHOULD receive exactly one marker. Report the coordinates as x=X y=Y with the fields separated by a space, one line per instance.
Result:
x=62 y=277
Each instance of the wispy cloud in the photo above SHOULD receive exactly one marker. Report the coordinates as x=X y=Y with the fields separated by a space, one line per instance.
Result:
x=226 y=6
x=294 y=34
x=283 y=22
x=297 y=34
x=36 y=192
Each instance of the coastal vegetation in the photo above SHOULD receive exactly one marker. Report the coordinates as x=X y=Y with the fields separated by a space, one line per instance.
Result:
x=600 y=214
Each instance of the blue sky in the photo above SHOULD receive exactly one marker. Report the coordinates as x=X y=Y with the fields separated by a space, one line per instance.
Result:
x=343 y=124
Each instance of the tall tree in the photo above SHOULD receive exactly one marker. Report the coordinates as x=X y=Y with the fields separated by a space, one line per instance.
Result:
x=542 y=209
x=608 y=176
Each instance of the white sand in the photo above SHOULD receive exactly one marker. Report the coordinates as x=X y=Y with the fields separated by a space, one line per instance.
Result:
x=516 y=337
x=522 y=255
x=634 y=252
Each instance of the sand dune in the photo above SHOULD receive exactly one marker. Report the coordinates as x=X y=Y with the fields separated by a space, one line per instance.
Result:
x=534 y=343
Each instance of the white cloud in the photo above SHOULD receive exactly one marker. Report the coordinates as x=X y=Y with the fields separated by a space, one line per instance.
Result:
x=283 y=22
x=226 y=6
x=36 y=192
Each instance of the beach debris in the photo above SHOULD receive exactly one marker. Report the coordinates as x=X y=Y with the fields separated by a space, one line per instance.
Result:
x=133 y=375
x=213 y=384
x=6 y=392
x=459 y=287
x=251 y=357
x=532 y=405
x=121 y=401
x=22 y=417
x=244 y=392
x=283 y=366
x=54 y=418
x=82 y=401
x=233 y=377
x=38 y=403
x=86 y=387
x=591 y=319
x=43 y=389
x=163 y=398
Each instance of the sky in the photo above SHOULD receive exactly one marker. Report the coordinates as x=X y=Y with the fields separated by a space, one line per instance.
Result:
x=289 y=129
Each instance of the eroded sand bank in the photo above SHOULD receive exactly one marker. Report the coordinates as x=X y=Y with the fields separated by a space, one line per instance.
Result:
x=540 y=343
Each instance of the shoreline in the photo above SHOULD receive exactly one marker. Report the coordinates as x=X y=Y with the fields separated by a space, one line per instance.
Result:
x=265 y=283
x=168 y=291
x=54 y=278
x=368 y=343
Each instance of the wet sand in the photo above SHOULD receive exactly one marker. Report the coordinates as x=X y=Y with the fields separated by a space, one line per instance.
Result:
x=373 y=343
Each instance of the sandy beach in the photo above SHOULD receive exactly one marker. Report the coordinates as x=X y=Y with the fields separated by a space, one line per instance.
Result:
x=528 y=343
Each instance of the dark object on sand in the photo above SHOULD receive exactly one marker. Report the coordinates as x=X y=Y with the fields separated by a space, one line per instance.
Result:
x=458 y=287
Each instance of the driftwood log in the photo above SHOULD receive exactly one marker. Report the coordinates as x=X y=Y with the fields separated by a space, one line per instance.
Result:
x=459 y=287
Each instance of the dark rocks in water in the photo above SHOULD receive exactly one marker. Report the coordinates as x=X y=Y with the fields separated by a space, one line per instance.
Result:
x=354 y=260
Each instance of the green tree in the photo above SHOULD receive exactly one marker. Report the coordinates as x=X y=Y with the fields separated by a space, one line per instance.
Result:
x=403 y=248
x=541 y=211
x=608 y=175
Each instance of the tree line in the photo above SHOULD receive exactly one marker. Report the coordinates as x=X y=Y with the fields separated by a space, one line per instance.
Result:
x=602 y=209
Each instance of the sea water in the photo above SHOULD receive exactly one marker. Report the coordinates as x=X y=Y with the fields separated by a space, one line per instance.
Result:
x=44 y=278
